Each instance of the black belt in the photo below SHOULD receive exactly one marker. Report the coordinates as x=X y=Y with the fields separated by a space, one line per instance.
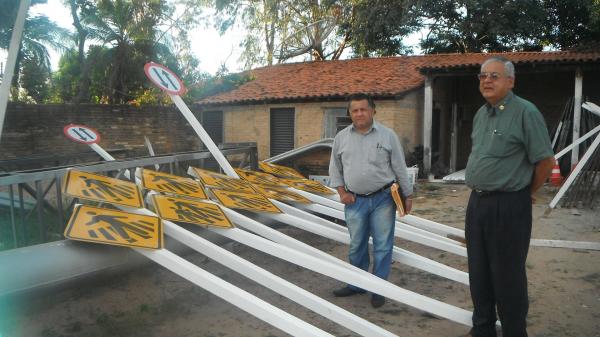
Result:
x=374 y=192
x=483 y=193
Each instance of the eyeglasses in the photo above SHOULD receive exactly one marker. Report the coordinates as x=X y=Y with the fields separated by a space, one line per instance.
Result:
x=493 y=76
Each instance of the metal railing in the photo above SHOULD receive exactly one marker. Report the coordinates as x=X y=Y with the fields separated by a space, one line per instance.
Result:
x=33 y=209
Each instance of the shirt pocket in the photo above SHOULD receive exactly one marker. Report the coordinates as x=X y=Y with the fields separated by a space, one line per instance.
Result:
x=380 y=155
x=499 y=144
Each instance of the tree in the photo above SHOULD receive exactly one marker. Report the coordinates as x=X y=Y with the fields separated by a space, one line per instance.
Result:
x=121 y=36
x=34 y=79
x=573 y=23
x=378 y=27
x=39 y=34
x=280 y=30
x=483 y=25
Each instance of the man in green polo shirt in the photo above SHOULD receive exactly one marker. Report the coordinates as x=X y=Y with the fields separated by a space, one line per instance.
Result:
x=510 y=159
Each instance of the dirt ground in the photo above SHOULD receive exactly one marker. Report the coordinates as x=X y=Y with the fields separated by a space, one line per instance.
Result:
x=564 y=288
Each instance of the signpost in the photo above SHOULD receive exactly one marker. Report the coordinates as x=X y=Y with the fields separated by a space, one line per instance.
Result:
x=168 y=82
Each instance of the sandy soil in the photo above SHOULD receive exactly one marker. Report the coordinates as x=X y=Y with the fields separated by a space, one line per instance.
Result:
x=564 y=287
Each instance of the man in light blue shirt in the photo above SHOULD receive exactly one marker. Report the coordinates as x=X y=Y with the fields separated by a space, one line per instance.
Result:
x=366 y=159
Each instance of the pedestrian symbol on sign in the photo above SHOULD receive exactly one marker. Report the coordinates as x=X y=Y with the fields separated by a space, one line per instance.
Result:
x=101 y=225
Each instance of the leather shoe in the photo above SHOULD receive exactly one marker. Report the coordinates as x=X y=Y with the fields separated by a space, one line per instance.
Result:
x=346 y=291
x=377 y=300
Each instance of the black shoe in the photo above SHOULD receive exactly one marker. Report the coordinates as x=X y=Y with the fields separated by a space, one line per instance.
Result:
x=346 y=291
x=377 y=300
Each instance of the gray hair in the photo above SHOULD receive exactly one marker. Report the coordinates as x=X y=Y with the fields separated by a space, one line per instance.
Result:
x=509 y=67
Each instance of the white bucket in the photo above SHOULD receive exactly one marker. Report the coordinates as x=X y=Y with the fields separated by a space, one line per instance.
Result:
x=413 y=173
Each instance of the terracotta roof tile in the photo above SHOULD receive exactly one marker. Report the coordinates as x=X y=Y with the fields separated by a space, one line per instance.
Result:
x=380 y=77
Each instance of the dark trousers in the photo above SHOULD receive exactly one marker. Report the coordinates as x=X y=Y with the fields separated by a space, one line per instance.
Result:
x=498 y=230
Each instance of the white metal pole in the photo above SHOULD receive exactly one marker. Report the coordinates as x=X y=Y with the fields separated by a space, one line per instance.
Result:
x=591 y=107
x=359 y=278
x=427 y=120
x=577 y=142
x=212 y=147
x=403 y=230
x=577 y=114
x=575 y=173
x=151 y=151
x=11 y=60
x=232 y=294
x=400 y=255
x=226 y=291
x=274 y=283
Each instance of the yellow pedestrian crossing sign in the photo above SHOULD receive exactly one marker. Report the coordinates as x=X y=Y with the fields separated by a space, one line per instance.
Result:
x=253 y=202
x=101 y=225
x=169 y=183
x=259 y=177
x=280 y=193
x=100 y=188
x=190 y=211
x=308 y=185
x=280 y=171
x=213 y=179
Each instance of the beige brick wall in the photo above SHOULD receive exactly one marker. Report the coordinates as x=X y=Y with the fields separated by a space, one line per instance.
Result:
x=251 y=123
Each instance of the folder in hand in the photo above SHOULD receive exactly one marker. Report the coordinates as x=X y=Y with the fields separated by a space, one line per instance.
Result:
x=398 y=199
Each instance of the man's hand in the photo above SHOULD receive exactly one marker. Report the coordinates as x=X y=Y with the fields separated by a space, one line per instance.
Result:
x=543 y=170
x=408 y=205
x=346 y=197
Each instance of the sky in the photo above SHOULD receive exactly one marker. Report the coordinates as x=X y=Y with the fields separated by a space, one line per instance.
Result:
x=208 y=46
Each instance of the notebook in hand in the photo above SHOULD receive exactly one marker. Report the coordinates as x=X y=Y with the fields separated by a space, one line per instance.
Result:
x=398 y=199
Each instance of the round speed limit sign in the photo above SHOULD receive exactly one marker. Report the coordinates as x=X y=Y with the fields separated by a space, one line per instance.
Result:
x=82 y=134
x=164 y=78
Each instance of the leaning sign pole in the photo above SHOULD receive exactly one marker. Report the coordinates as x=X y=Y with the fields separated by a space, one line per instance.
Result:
x=166 y=80
x=11 y=61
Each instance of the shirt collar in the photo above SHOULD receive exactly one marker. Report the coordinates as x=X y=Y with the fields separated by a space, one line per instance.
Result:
x=374 y=126
x=501 y=105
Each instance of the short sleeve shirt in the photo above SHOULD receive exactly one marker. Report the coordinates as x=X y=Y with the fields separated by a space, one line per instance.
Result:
x=508 y=140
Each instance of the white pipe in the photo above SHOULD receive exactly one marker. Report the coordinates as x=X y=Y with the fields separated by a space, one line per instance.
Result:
x=275 y=283
x=214 y=150
x=400 y=255
x=11 y=60
x=232 y=294
x=350 y=275
x=577 y=142
x=402 y=230
x=575 y=173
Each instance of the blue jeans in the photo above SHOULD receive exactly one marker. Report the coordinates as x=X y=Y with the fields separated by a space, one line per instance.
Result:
x=373 y=216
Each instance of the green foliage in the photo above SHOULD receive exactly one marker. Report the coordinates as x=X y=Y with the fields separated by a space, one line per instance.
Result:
x=379 y=26
x=34 y=80
x=33 y=60
x=573 y=23
x=213 y=85
x=124 y=35
x=280 y=30
x=483 y=25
